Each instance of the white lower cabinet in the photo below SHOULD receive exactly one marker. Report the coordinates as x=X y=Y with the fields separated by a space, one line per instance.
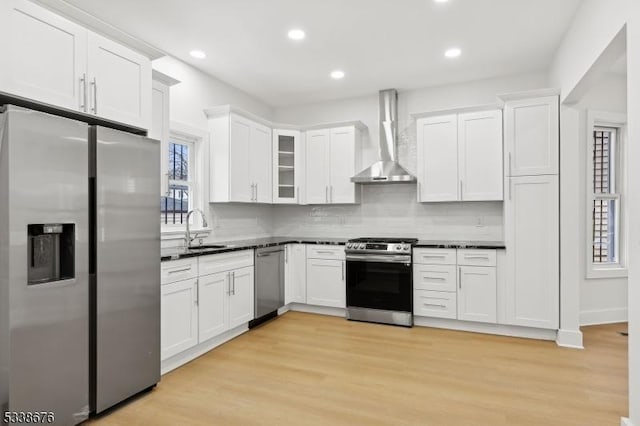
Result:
x=179 y=323
x=326 y=276
x=295 y=274
x=448 y=283
x=212 y=306
x=477 y=295
x=241 y=303
x=216 y=297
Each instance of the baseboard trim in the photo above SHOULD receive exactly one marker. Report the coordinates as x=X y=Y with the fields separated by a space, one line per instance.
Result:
x=322 y=310
x=604 y=316
x=625 y=422
x=570 y=339
x=200 y=349
x=499 y=329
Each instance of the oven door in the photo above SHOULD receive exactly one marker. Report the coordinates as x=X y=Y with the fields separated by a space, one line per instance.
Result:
x=382 y=282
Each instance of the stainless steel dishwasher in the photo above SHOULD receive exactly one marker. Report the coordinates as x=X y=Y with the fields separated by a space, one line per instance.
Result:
x=269 y=283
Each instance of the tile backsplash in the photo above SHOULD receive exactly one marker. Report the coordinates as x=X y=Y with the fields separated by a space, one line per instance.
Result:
x=392 y=210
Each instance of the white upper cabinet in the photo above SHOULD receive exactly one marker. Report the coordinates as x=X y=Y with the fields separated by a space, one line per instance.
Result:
x=317 y=166
x=46 y=59
x=460 y=157
x=438 y=159
x=480 y=156
x=288 y=164
x=531 y=134
x=55 y=61
x=240 y=158
x=532 y=238
x=332 y=158
x=119 y=82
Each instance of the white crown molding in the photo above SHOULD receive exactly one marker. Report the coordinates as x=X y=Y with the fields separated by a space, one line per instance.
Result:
x=91 y=22
x=164 y=78
x=460 y=110
x=224 y=110
x=517 y=96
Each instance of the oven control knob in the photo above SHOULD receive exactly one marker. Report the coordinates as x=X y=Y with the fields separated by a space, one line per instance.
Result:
x=362 y=246
x=349 y=245
x=398 y=247
x=405 y=248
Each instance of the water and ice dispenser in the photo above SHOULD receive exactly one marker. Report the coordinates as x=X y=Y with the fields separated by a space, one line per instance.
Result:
x=51 y=252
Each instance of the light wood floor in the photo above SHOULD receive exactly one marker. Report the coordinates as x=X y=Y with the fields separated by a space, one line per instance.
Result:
x=305 y=369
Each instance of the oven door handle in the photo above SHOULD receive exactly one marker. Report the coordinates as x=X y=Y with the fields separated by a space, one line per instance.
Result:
x=379 y=258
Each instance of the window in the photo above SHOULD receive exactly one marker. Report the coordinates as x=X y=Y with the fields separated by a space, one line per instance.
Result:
x=606 y=199
x=605 y=196
x=178 y=200
x=184 y=183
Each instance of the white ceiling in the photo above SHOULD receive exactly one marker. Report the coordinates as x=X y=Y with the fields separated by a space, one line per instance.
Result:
x=378 y=43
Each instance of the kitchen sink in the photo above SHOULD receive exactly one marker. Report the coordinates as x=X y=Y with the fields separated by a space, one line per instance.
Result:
x=207 y=247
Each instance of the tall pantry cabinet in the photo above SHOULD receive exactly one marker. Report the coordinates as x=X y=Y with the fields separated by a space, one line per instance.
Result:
x=532 y=216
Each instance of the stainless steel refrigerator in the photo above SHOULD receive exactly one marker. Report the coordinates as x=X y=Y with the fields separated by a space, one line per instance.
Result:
x=79 y=265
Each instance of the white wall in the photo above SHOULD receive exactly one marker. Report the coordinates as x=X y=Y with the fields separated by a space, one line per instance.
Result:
x=633 y=155
x=392 y=209
x=188 y=99
x=595 y=25
x=601 y=300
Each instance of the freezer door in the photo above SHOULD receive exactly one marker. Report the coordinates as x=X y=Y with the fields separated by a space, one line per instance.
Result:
x=127 y=275
x=46 y=161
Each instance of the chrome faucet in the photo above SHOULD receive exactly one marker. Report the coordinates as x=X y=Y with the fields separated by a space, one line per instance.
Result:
x=187 y=234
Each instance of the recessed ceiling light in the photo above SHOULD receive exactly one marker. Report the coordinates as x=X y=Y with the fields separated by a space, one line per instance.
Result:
x=296 y=34
x=337 y=74
x=198 y=54
x=441 y=1
x=454 y=52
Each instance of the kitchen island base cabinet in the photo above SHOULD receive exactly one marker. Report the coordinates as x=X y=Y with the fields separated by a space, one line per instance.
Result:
x=326 y=283
x=179 y=317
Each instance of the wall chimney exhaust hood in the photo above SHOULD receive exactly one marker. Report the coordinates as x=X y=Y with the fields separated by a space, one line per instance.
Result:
x=387 y=169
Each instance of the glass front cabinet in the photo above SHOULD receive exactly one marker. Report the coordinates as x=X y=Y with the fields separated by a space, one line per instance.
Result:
x=288 y=161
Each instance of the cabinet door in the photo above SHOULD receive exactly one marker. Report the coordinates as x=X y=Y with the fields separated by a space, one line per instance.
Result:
x=179 y=312
x=532 y=241
x=241 y=301
x=477 y=294
x=45 y=56
x=438 y=159
x=240 y=182
x=480 y=156
x=342 y=166
x=317 y=166
x=119 y=82
x=287 y=166
x=531 y=133
x=260 y=163
x=326 y=283
x=295 y=276
x=213 y=315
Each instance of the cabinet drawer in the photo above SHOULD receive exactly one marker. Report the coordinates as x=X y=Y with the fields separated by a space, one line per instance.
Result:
x=429 y=256
x=435 y=277
x=329 y=252
x=178 y=270
x=215 y=263
x=473 y=257
x=434 y=304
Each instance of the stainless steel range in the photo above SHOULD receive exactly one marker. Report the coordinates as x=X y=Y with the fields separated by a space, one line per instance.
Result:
x=380 y=280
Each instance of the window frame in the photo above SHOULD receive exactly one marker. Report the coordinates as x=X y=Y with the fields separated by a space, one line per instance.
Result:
x=198 y=180
x=618 y=121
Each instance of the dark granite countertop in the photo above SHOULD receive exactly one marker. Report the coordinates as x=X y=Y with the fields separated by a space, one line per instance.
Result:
x=461 y=244
x=175 y=253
